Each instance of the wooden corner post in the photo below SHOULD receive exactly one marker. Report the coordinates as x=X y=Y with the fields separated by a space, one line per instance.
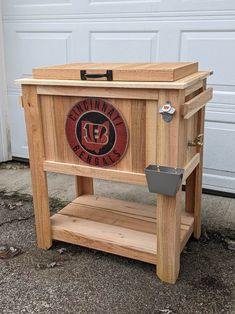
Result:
x=36 y=152
x=170 y=138
x=193 y=187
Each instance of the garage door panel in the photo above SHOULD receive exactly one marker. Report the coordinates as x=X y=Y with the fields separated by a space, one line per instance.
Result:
x=110 y=46
x=31 y=7
x=29 y=46
x=131 y=6
x=219 y=181
x=213 y=49
x=41 y=49
x=119 y=41
x=217 y=112
x=36 y=7
x=19 y=143
x=224 y=95
x=219 y=146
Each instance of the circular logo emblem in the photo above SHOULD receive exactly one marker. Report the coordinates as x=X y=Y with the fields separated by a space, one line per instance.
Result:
x=96 y=132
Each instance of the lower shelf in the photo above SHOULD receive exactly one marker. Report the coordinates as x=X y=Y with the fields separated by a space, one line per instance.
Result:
x=114 y=226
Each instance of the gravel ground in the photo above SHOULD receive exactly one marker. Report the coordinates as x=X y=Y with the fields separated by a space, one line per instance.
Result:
x=87 y=281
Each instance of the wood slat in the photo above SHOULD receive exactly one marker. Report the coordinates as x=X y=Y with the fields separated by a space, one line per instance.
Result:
x=103 y=92
x=151 y=132
x=185 y=234
x=107 y=238
x=131 y=209
x=110 y=217
x=104 y=224
x=179 y=84
x=195 y=104
x=95 y=172
x=192 y=164
x=108 y=173
x=137 y=136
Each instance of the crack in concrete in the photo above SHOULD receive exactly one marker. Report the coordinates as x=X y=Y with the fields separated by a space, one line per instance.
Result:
x=16 y=219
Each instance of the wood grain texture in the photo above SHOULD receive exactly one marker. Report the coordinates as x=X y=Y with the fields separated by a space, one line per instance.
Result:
x=170 y=141
x=191 y=165
x=114 y=226
x=130 y=209
x=151 y=133
x=107 y=238
x=111 y=92
x=198 y=179
x=54 y=114
x=179 y=84
x=120 y=71
x=95 y=172
x=137 y=136
x=83 y=185
x=36 y=155
x=191 y=89
x=195 y=104
x=193 y=187
x=190 y=192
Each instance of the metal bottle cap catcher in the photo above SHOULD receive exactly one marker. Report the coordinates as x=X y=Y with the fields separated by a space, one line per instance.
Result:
x=167 y=111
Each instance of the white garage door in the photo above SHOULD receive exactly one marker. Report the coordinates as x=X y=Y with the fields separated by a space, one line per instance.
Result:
x=40 y=33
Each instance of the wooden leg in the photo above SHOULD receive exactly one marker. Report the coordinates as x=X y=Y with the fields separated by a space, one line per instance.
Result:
x=193 y=188
x=41 y=207
x=190 y=193
x=168 y=237
x=170 y=144
x=198 y=201
x=39 y=178
x=193 y=196
x=83 y=185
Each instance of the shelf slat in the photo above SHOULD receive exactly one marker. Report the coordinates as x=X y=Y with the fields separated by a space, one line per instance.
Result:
x=115 y=226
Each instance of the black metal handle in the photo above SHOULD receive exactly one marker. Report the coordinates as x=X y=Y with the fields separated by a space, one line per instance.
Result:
x=108 y=75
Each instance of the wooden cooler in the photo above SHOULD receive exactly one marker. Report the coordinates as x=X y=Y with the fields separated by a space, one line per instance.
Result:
x=135 y=123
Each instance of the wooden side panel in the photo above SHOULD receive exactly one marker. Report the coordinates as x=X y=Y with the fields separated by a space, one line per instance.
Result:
x=53 y=116
x=54 y=113
x=124 y=107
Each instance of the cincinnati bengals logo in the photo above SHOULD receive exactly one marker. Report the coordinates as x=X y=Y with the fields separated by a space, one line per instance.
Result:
x=95 y=136
x=96 y=132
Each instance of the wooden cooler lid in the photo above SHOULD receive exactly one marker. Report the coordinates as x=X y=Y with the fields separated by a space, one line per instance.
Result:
x=135 y=72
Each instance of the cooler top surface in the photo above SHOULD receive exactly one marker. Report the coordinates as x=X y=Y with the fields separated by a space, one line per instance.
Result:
x=129 y=72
